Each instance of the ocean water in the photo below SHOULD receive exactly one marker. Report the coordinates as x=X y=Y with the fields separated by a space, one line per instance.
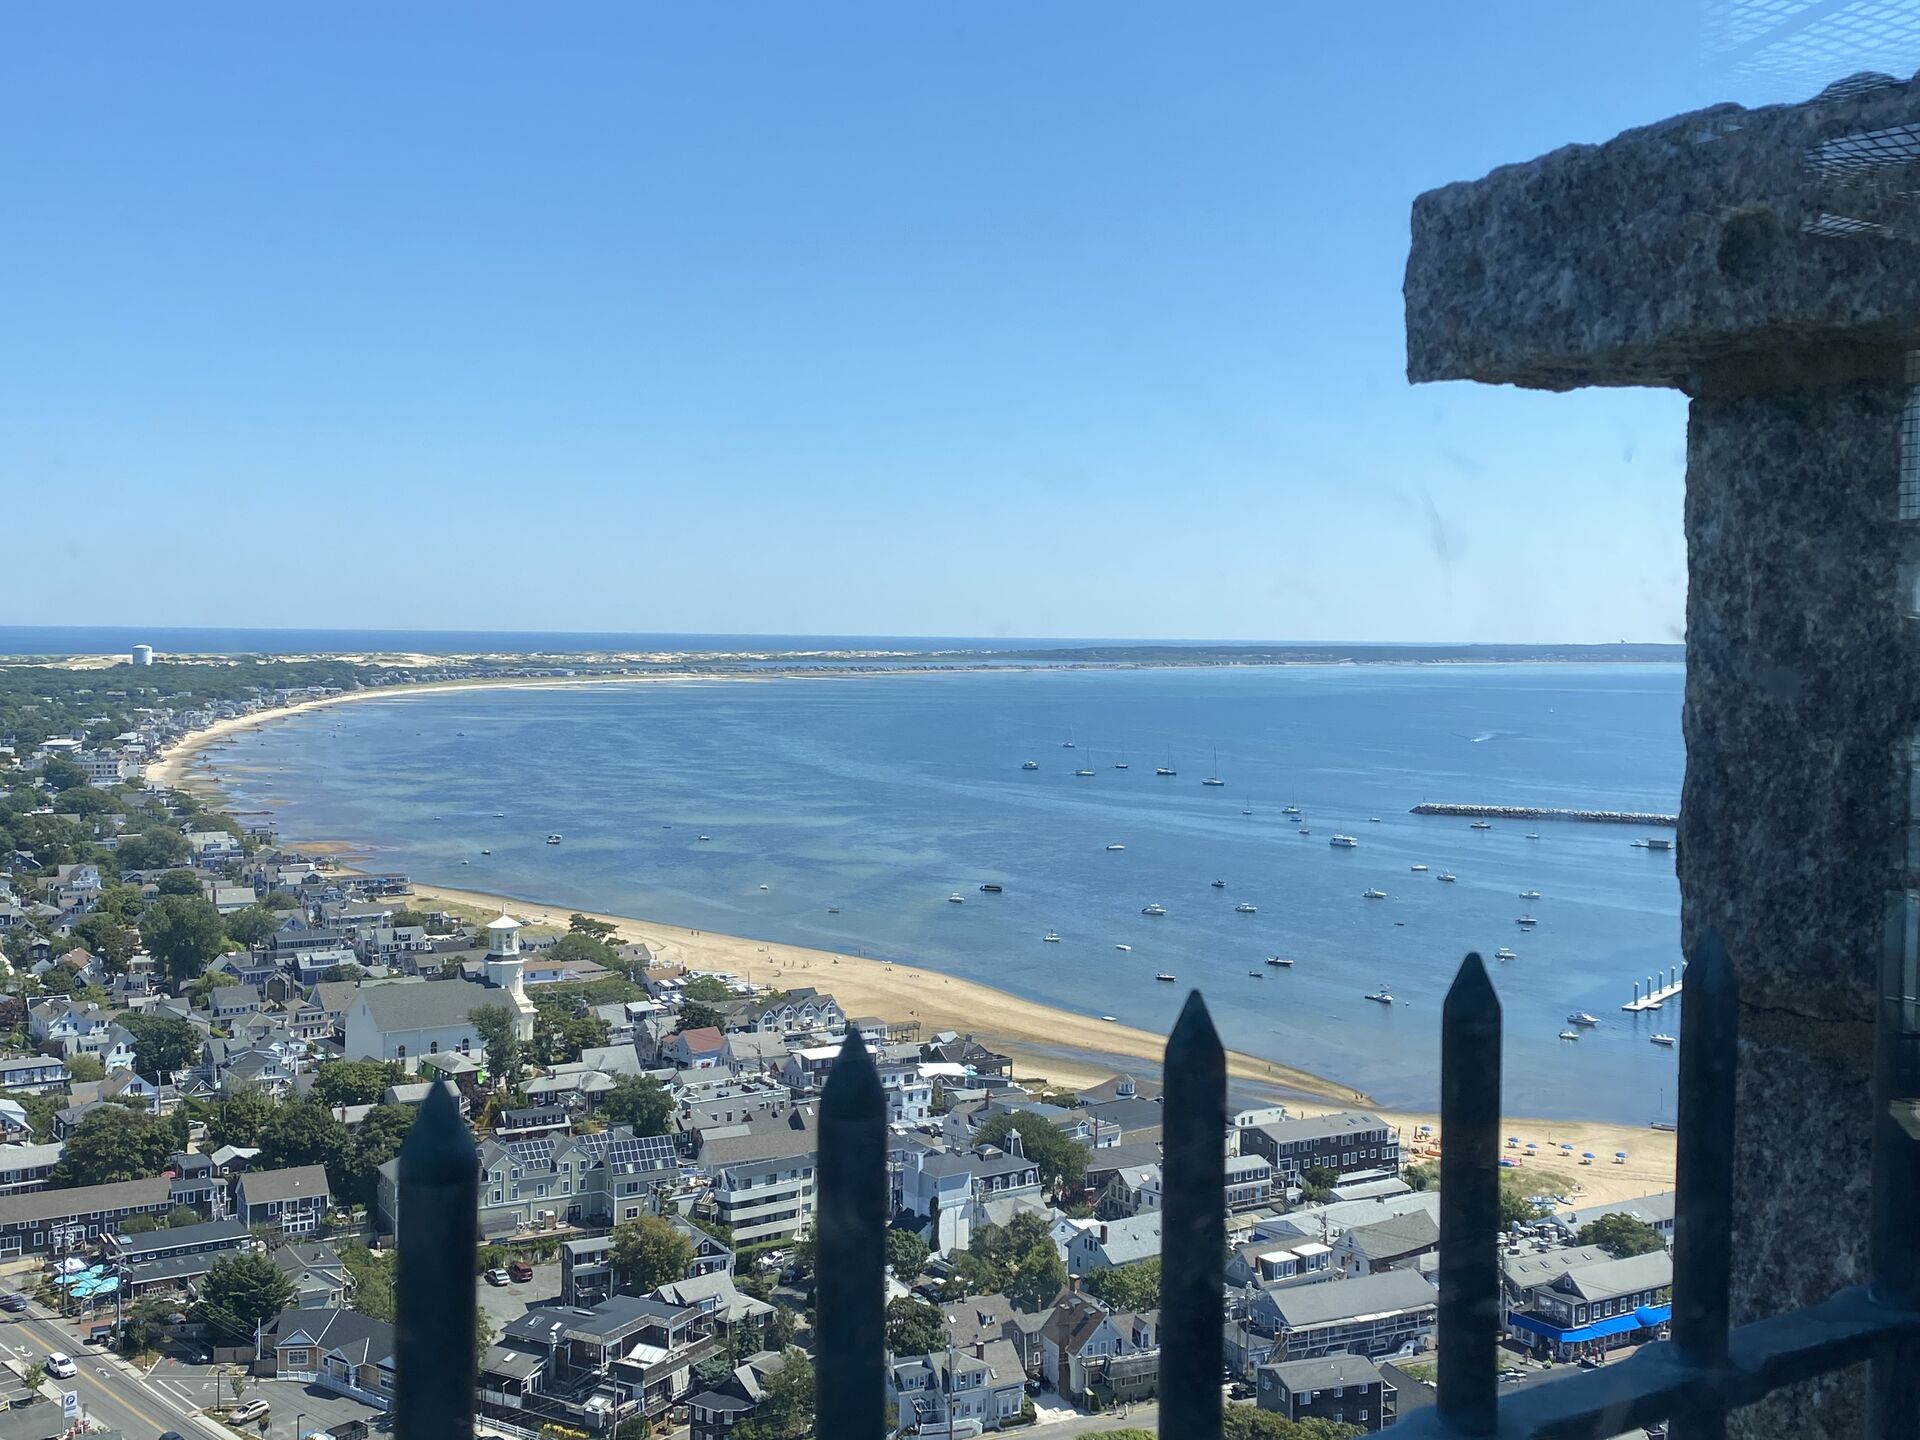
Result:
x=883 y=794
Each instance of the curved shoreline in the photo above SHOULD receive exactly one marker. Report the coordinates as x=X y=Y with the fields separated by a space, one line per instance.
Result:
x=1069 y=1048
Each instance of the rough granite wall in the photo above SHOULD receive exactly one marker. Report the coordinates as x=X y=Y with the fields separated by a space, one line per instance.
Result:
x=1801 y=684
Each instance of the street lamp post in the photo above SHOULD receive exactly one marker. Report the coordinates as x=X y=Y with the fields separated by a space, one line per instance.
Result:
x=298 y=1416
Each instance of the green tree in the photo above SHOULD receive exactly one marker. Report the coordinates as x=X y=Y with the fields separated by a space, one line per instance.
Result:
x=698 y=1015
x=709 y=988
x=280 y=901
x=1515 y=1206
x=906 y=1254
x=377 y=1141
x=1422 y=1176
x=239 y=1292
x=576 y=946
x=345 y=971
x=86 y=1067
x=560 y=1035
x=1244 y=1422
x=183 y=933
x=372 y=1277
x=351 y=1082
x=495 y=1024
x=107 y=936
x=182 y=1215
x=781 y=1326
x=914 y=1327
x=641 y=1102
x=62 y=774
x=648 y=1253
x=785 y=1411
x=1126 y=1287
x=305 y=1134
x=240 y=1119
x=1037 y=1279
x=162 y=1044
x=152 y=849
x=1621 y=1235
x=113 y=1143
x=178 y=882
x=1062 y=1162
x=252 y=925
x=578 y=924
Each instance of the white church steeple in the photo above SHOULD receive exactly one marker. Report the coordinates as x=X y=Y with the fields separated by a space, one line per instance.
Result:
x=505 y=970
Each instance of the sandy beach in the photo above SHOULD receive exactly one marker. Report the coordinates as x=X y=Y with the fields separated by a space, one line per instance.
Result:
x=172 y=767
x=1066 y=1048
x=1070 y=1049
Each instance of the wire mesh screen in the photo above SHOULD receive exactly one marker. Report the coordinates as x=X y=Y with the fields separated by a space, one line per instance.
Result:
x=1910 y=442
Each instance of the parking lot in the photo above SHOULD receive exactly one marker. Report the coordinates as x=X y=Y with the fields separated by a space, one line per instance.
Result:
x=308 y=1406
x=502 y=1303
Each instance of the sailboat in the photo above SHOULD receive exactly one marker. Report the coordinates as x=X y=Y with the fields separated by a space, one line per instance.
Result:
x=1121 y=763
x=1214 y=778
x=1085 y=772
x=1067 y=744
x=1166 y=769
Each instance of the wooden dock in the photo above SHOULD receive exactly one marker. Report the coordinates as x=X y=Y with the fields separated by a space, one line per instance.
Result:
x=1656 y=995
x=1536 y=812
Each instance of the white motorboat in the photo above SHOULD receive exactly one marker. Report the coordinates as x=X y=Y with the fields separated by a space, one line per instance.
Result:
x=1529 y=894
x=1166 y=977
x=554 y=838
x=1481 y=825
x=1155 y=909
x=1581 y=1017
x=1219 y=885
x=1419 y=869
x=956 y=898
x=1569 y=1034
x=1373 y=894
x=1533 y=834
x=1662 y=1039
x=1030 y=765
x=1257 y=974
x=703 y=837
x=486 y=852
x=1504 y=954
x=1127 y=948
x=1116 y=847
x=1051 y=938
x=1382 y=996
x=1280 y=962
x=1447 y=877
x=1344 y=842
x=1243 y=908
x=1525 y=922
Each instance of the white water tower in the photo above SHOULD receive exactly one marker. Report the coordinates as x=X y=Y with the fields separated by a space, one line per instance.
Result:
x=143 y=654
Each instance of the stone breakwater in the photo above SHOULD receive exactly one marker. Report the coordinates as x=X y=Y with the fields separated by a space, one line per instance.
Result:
x=1534 y=812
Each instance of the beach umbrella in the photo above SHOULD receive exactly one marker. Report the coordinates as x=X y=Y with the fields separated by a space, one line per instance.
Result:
x=1566 y=1146
x=1533 y=1145
x=1513 y=1140
x=1619 y=1157
x=1586 y=1154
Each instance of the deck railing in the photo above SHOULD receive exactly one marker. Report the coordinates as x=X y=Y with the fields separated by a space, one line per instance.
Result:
x=1693 y=1380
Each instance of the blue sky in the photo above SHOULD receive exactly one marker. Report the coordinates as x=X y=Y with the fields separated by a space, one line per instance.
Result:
x=1070 y=319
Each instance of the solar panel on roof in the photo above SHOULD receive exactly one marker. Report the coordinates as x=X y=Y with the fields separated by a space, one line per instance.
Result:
x=640 y=1152
x=527 y=1153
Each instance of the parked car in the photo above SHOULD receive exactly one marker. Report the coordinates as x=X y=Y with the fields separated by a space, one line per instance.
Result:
x=171 y=1435
x=246 y=1414
x=61 y=1367
x=12 y=1302
x=520 y=1270
x=100 y=1335
x=496 y=1276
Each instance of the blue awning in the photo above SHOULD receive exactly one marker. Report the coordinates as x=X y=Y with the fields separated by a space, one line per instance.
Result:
x=1647 y=1317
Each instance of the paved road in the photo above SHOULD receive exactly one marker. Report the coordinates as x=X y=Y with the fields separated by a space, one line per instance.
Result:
x=1144 y=1416
x=108 y=1393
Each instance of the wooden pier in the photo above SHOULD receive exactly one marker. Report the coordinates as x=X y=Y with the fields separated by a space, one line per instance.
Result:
x=1656 y=996
x=1535 y=812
